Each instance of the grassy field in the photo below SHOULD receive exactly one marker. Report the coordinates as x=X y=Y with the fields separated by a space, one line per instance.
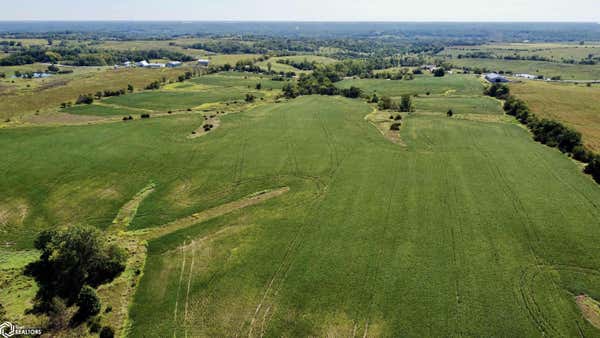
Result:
x=449 y=85
x=576 y=105
x=47 y=94
x=459 y=104
x=547 y=69
x=100 y=110
x=468 y=229
x=554 y=51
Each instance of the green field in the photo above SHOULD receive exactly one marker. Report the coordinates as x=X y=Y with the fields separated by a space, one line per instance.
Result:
x=470 y=229
x=555 y=51
x=165 y=100
x=450 y=85
x=459 y=104
x=547 y=69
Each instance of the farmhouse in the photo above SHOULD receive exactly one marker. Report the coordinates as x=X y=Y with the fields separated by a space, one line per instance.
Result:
x=203 y=62
x=495 y=78
x=173 y=64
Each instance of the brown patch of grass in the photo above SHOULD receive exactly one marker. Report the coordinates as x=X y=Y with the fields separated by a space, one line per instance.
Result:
x=590 y=309
x=12 y=212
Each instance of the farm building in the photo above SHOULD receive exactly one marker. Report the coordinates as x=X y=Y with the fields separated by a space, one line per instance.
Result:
x=173 y=64
x=495 y=78
x=142 y=63
x=203 y=62
x=527 y=76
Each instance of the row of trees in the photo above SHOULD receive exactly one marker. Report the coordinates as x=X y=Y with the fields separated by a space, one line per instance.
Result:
x=81 y=55
x=549 y=132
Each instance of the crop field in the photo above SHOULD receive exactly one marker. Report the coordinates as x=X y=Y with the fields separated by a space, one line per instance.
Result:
x=554 y=51
x=422 y=84
x=47 y=94
x=165 y=99
x=237 y=79
x=576 y=105
x=446 y=235
x=547 y=69
x=459 y=104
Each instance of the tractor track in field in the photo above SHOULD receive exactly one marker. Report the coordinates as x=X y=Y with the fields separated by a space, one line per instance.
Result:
x=179 y=288
x=528 y=300
x=378 y=260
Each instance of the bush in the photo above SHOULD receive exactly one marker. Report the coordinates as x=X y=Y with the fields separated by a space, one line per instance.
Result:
x=395 y=126
x=85 y=99
x=249 y=97
x=107 y=332
x=88 y=303
x=127 y=118
x=145 y=116
x=439 y=72
x=593 y=168
x=406 y=104
x=450 y=113
x=581 y=154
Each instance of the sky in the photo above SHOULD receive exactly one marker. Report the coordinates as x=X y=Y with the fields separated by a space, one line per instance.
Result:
x=304 y=10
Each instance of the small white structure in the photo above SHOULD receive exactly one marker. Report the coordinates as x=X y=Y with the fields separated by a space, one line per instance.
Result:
x=174 y=64
x=127 y=64
x=203 y=62
x=495 y=78
x=142 y=63
x=156 y=65
x=527 y=76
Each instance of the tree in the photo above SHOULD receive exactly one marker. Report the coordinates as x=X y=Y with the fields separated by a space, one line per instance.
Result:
x=375 y=98
x=406 y=104
x=593 y=168
x=258 y=86
x=385 y=103
x=352 y=92
x=130 y=88
x=439 y=72
x=498 y=91
x=70 y=259
x=249 y=97
x=269 y=66
x=450 y=113
x=53 y=68
x=88 y=303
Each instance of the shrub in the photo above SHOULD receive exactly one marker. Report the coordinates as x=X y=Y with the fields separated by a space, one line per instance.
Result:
x=145 y=116
x=88 y=303
x=593 y=168
x=439 y=72
x=107 y=332
x=85 y=99
x=249 y=97
x=450 y=113
x=395 y=126
x=581 y=154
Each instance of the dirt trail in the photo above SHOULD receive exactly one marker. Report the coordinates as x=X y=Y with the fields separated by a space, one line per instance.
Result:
x=590 y=308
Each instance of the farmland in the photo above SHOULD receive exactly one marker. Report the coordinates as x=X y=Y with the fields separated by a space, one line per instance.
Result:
x=575 y=105
x=248 y=203
x=422 y=84
x=547 y=69
x=344 y=248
